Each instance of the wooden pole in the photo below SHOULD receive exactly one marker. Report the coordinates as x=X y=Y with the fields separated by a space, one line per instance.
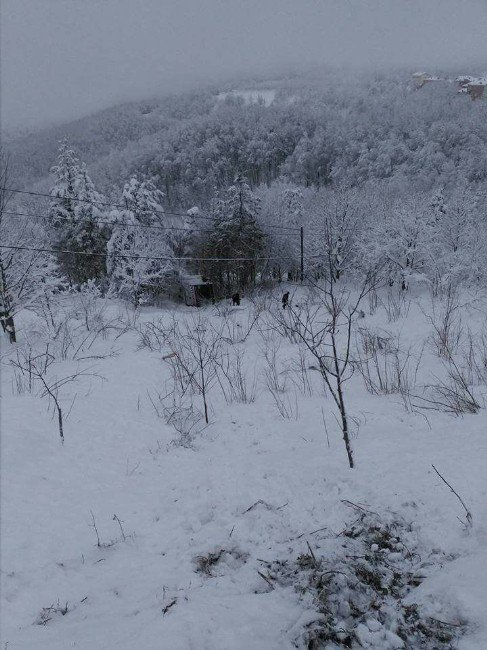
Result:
x=301 y=232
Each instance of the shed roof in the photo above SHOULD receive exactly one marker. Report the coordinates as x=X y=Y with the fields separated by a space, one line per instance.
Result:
x=195 y=280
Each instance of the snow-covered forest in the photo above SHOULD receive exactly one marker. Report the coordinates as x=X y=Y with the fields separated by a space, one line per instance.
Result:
x=392 y=173
x=244 y=370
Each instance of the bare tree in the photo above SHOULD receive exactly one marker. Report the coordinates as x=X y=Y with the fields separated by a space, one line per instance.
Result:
x=196 y=348
x=23 y=266
x=6 y=316
x=323 y=323
x=36 y=367
x=447 y=326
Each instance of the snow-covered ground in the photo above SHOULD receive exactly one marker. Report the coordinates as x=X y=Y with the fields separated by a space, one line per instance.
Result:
x=254 y=487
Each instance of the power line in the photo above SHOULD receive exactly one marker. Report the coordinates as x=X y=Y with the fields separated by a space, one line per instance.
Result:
x=146 y=257
x=122 y=224
x=124 y=207
x=112 y=223
x=103 y=203
x=119 y=224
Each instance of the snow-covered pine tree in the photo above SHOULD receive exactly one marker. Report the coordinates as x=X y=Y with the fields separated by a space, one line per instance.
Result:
x=454 y=250
x=235 y=234
x=282 y=206
x=74 y=220
x=335 y=225
x=144 y=200
x=294 y=210
x=404 y=238
x=183 y=241
x=140 y=262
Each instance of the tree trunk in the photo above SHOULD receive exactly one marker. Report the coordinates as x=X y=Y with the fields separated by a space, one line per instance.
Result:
x=10 y=328
x=343 y=415
x=60 y=423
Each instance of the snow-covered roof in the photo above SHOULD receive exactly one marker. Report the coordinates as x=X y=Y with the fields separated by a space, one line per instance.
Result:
x=480 y=81
x=195 y=280
x=425 y=77
x=468 y=80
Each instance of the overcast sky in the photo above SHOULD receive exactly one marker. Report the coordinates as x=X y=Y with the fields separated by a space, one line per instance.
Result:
x=65 y=58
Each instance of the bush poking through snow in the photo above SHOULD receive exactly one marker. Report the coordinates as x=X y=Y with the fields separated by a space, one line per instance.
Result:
x=48 y=613
x=32 y=368
x=396 y=306
x=187 y=421
x=364 y=595
x=451 y=395
x=233 y=377
x=207 y=564
x=447 y=327
x=384 y=367
x=124 y=537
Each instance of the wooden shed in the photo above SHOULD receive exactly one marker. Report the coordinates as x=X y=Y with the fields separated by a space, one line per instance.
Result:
x=198 y=290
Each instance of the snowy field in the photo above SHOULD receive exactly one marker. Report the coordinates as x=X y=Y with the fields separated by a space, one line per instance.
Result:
x=209 y=537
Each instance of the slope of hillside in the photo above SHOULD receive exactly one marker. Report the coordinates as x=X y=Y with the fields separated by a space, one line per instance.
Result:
x=319 y=128
x=206 y=536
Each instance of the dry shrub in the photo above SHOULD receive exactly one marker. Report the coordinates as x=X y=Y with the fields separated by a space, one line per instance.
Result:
x=385 y=368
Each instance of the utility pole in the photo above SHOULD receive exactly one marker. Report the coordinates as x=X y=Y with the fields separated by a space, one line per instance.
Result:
x=301 y=232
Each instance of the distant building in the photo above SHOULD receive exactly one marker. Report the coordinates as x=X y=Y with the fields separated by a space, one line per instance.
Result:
x=476 y=88
x=462 y=82
x=419 y=79
x=422 y=78
x=473 y=86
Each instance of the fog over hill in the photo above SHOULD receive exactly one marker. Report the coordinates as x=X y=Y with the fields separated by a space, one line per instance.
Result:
x=320 y=127
x=63 y=59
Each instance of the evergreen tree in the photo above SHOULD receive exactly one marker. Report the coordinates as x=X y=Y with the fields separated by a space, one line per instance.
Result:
x=235 y=234
x=183 y=241
x=452 y=250
x=144 y=200
x=282 y=206
x=138 y=236
x=74 y=217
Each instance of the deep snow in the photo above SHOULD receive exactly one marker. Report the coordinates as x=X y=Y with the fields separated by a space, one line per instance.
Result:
x=254 y=484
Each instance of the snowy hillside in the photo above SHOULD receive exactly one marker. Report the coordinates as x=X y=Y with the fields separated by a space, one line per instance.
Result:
x=149 y=529
x=310 y=129
x=243 y=325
